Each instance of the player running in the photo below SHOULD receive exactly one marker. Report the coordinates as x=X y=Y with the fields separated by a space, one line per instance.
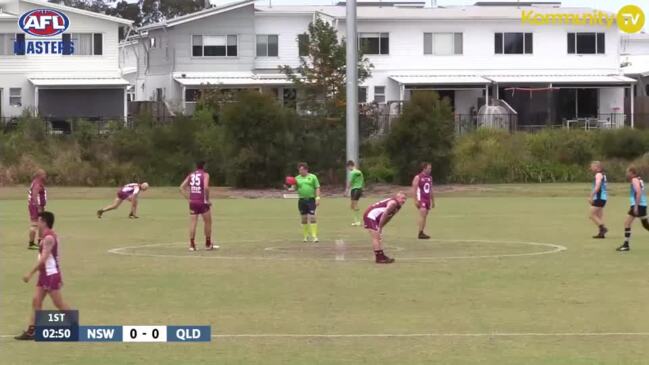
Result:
x=49 y=273
x=36 y=201
x=128 y=192
x=355 y=184
x=196 y=189
x=638 y=209
x=308 y=191
x=376 y=217
x=422 y=190
x=598 y=198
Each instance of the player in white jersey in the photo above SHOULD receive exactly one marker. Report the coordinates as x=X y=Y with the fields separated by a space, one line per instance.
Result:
x=376 y=217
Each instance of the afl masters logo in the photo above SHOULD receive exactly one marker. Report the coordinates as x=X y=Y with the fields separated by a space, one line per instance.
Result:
x=44 y=22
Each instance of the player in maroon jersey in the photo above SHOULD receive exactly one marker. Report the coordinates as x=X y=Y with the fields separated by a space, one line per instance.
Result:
x=129 y=192
x=196 y=189
x=49 y=272
x=36 y=201
x=376 y=217
x=422 y=191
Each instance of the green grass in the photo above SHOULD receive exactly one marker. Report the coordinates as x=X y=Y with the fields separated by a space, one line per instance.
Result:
x=294 y=289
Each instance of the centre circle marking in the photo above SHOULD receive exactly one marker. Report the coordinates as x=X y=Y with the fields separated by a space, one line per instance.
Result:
x=547 y=248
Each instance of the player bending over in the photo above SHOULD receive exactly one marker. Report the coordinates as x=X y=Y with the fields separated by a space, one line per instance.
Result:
x=598 y=198
x=196 y=189
x=422 y=190
x=128 y=192
x=355 y=184
x=376 y=217
x=49 y=272
x=308 y=191
x=36 y=200
x=638 y=206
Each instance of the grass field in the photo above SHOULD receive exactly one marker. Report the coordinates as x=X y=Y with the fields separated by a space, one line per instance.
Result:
x=494 y=287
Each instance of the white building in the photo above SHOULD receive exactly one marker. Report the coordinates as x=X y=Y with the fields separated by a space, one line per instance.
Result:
x=471 y=54
x=40 y=75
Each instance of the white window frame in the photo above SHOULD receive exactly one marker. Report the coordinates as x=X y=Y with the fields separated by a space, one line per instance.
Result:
x=453 y=35
x=381 y=94
x=267 y=43
x=503 y=53
x=16 y=100
x=362 y=35
x=596 y=34
x=92 y=44
x=191 y=45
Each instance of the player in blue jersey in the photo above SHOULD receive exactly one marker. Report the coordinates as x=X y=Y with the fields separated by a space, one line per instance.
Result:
x=638 y=197
x=598 y=197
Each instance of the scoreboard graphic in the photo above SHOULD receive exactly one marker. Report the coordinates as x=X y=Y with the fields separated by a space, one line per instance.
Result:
x=63 y=326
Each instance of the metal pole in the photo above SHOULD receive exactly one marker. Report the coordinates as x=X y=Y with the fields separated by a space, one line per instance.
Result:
x=632 y=106
x=352 y=83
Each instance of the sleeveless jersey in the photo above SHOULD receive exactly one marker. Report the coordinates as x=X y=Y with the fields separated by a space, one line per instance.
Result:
x=375 y=211
x=197 y=187
x=41 y=198
x=424 y=188
x=643 y=194
x=602 y=194
x=51 y=266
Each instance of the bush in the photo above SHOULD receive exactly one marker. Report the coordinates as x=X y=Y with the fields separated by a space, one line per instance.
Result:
x=259 y=140
x=424 y=132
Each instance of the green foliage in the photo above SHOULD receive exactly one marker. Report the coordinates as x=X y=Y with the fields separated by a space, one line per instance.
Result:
x=424 y=132
x=321 y=77
x=259 y=139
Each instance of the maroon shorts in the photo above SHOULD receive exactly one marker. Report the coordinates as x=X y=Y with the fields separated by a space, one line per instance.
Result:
x=123 y=195
x=198 y=208
x=370 y=223
x=33 y=212
x=424 y=204
x=50 y=282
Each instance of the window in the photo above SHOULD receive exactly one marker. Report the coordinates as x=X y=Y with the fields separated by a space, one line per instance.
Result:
x=214 y=45
x=303 y=44
x=362 y=94
x=513 y=43
x=86 y=44
x=15 y=96
x=379 y=94
x=192 y=95
x=586 y=43
x=7 y=44
x=267 y=45
x=443 y=44
x=374 y=43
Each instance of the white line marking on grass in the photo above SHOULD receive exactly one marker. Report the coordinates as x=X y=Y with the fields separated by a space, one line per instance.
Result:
x=423 y=335
x=552 y=248
x=340 y=250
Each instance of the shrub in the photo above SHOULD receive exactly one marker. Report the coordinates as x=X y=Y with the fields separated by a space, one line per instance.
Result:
x=258 y=140
x=424 y=132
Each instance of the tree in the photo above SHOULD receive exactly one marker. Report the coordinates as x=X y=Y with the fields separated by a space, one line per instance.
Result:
x=320 y=79
x=423 y=133
x=258 y=136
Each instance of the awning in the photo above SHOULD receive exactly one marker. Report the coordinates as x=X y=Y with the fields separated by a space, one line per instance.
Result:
x=560 y=79
x=440 y=79
x=85 y=81
x=230 y=79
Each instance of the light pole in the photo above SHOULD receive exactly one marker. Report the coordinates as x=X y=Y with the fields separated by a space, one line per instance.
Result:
x=352 y=83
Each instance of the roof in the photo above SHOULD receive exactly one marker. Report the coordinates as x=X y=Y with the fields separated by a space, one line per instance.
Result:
x=198 y=15
x=438 y=13
x=487 y=77
x=560 y=79
x=229 y=78
x=78 y=81
x=437 y=79
x=79 y=11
